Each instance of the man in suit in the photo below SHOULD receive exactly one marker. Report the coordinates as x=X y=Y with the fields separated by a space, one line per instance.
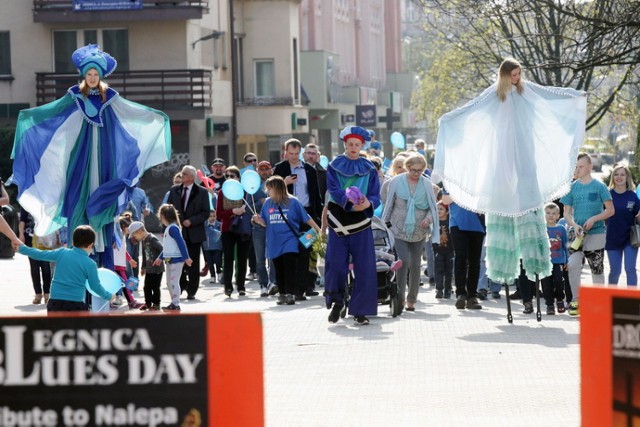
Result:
x=192 y=203
x=302 y=181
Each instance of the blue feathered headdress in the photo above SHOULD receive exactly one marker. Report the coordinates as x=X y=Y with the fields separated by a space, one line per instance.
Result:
x=91 y=56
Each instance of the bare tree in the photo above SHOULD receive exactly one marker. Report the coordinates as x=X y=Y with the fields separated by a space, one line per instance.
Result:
x=588 y=45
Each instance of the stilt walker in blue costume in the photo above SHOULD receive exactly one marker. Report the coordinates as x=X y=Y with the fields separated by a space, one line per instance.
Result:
x=354 y=193
x=506 y=153
x=77 y=159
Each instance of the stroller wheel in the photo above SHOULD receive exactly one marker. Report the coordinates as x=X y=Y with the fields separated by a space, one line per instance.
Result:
x=394 y=306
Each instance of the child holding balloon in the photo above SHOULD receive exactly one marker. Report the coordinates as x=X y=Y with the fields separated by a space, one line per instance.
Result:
x=74 y=273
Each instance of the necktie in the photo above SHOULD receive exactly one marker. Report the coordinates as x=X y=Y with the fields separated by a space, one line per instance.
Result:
x=184 y=198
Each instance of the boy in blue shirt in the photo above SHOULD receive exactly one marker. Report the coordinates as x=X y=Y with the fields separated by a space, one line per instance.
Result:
x=583 y=211
x=553 y=286
x=74 y=270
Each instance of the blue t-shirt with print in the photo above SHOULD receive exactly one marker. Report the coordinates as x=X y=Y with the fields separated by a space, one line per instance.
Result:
x=587 y=200
x=627 y=206
x=465 y=220
x=280 y=238
x=558 y=244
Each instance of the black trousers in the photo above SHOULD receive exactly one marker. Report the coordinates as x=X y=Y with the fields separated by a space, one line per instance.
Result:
x=55 y=305
x=234 y=243
x=467 y=246
x=152 y=282
x=285 y=276
x=553 y=286
x=37 y=267
x=190 y=277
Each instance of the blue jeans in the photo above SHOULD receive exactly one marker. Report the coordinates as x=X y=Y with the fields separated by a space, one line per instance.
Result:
x=259 y=234
x=615 y=263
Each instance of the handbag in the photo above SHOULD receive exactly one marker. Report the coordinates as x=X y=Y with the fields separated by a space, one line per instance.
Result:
x=635 y=235
x=306 y=238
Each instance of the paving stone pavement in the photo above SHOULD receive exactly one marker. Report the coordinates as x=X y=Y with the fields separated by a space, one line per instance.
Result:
x=437 y=366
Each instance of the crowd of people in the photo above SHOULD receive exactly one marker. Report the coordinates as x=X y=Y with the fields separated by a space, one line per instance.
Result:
x=264 y=235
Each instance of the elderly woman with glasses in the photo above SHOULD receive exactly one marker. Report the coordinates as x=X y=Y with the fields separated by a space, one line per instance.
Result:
x=235 y=230
x=410 y=208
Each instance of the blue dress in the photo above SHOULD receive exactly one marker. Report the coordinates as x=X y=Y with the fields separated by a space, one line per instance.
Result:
x=77 y=159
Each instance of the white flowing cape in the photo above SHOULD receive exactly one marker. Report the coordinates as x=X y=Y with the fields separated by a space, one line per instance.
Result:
x=507 y=158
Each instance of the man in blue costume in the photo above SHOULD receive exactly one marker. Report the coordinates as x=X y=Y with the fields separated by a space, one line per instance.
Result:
x=354 y=193
x=77 y=159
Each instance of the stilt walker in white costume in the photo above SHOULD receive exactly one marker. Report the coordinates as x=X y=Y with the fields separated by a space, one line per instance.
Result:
x=506 y=153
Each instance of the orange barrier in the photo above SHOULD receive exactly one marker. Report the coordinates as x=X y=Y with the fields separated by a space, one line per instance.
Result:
x=610 y=356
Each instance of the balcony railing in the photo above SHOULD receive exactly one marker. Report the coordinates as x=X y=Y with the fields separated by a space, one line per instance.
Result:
x=152 y=10
x=184 y=92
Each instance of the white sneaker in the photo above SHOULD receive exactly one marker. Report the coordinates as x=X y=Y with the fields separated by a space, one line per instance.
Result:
x=119 y=301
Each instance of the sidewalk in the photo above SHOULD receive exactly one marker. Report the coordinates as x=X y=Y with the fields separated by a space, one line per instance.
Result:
x=437 y=366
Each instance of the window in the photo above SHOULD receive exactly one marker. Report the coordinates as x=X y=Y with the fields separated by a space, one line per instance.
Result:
x=5 y=54
x=264 y=78
x=113 y=41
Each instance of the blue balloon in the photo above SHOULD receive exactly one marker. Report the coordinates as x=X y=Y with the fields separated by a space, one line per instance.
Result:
x=232 y=189
x=250 y=181
x=397 y=139
x=109 y=280
x=378 y=211
x=324 y=161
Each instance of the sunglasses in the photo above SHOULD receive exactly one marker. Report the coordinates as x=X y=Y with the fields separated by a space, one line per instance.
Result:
x=229 y=175
x=415 y=170
x=251 y=160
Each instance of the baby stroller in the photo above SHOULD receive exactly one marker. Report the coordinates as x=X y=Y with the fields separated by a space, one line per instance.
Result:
x=386 y=266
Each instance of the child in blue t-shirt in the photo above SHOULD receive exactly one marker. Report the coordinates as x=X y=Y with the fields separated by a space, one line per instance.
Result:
x=282 y=215
x=553 y=286
x=75 y=270
x=212 y=247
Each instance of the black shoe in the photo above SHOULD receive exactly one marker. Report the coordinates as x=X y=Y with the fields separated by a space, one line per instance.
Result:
x=361 y=320
x=439 y=294
x=461 y=302
x=495 y=295
x=528 y=308
x=551 y=310
x=515 y=295
x=273 y=290
x=335 y=313
x=228 y=292
x=482 y=294
x=473 y=304
x=264 y=294
x=289 y=299
x=447 y=294
x=242 y=293
x=312 y=293
x=300 y=298
x=281 y=300
x=191 y=297
x=171 y=307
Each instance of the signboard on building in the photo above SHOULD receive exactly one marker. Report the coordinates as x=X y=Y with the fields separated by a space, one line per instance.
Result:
x=87 y=5
x=366 y=116
x=131 y=370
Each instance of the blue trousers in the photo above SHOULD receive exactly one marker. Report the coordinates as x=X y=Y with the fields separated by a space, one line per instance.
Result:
x=615 y=264
x=364 y=295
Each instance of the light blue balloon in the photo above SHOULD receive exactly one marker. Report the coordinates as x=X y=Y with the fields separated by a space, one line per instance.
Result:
x=397 y=140
x=324 y=161
x=109 y=280
x=250 y=181
x=232 y=189
x=378 y=211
